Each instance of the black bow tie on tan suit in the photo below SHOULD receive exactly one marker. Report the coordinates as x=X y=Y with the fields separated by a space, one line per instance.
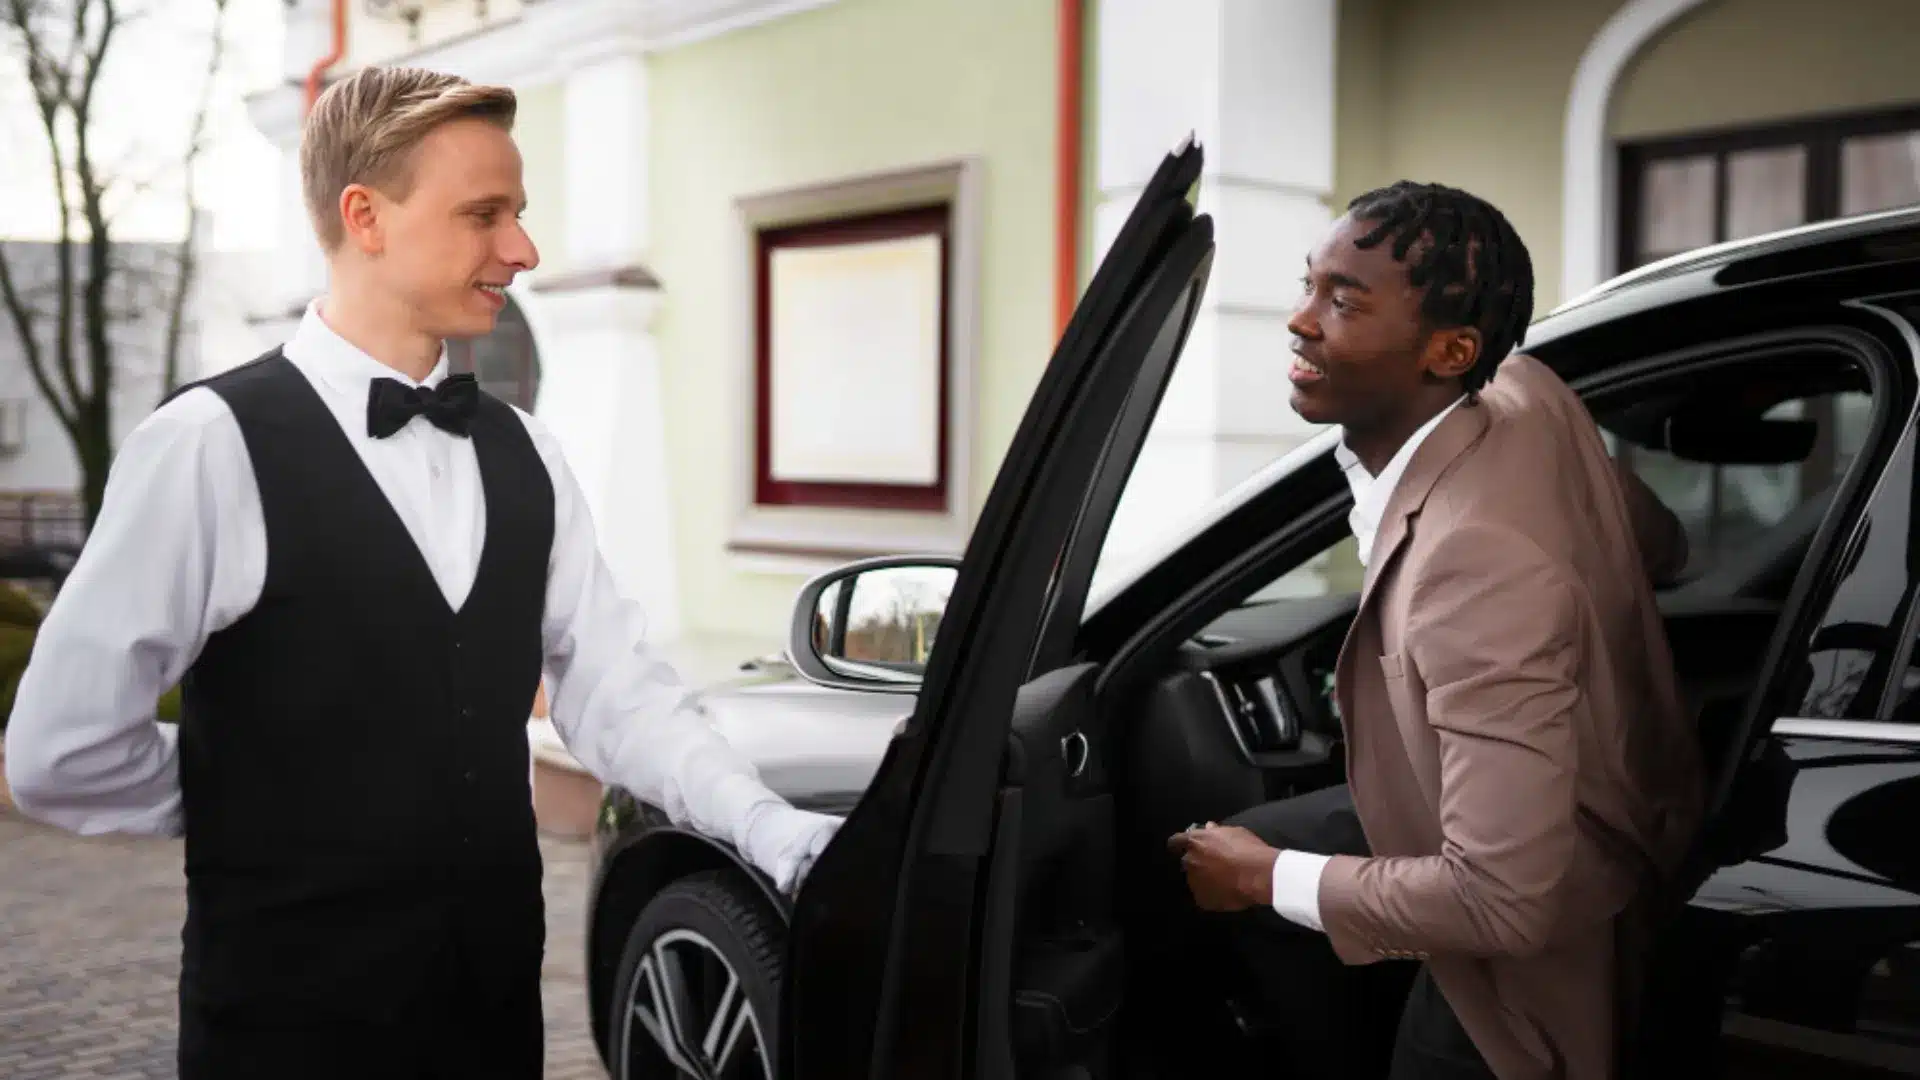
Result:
x=392 y=403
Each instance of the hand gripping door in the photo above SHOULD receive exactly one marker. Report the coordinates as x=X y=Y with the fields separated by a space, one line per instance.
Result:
x=885 y=960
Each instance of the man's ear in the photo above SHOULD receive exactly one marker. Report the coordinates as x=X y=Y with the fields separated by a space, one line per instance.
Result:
x=360 y=218
x=1452 y=352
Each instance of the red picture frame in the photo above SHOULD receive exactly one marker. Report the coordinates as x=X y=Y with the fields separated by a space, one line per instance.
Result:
x=935 y=220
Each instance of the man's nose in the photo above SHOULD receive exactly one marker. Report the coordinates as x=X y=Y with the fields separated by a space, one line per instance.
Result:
x=1302 y=323
x=517 y=249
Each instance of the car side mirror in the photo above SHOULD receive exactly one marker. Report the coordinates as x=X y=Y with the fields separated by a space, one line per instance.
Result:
x=870 y=625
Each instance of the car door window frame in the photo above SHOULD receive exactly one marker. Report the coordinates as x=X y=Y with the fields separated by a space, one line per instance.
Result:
x=1882 y=725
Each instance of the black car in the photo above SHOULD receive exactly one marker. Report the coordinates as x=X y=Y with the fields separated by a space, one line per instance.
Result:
x=1013 y=743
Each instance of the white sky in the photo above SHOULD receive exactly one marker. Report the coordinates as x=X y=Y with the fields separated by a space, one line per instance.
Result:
x=152 y=81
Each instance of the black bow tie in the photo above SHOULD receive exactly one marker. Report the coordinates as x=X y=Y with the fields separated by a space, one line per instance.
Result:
x=391 y=403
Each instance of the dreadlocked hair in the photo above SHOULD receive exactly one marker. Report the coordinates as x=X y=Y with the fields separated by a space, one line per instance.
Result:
x=1473 y=264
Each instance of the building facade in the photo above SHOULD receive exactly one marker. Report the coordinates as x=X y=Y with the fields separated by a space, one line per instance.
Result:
x=801 y=259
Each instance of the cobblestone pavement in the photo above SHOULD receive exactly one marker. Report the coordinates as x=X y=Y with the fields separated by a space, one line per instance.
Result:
x=90 y=951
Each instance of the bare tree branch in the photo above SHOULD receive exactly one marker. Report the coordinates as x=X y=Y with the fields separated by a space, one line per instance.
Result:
x=186 y=256
x=22 y=316
x=94 y=293
x=99 y=243
x=50 y=83
x=122 y=191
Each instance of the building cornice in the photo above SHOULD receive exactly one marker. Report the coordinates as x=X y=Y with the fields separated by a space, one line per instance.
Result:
x=613 y=277
x=547 y=39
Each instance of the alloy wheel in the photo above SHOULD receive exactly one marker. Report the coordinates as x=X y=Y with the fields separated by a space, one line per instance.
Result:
x=688 y=1016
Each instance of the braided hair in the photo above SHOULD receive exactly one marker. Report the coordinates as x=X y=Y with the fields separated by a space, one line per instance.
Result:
x=1474 y=265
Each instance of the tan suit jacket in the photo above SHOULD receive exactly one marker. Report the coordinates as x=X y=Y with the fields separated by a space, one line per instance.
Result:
x=1516 y=746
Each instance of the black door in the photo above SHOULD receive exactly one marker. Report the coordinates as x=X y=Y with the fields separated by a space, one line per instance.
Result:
x=920 y=928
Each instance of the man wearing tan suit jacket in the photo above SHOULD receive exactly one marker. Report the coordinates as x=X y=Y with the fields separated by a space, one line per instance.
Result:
x=1521 y=774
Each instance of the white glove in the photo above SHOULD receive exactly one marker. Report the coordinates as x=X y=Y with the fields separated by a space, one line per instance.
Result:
x=783 y=841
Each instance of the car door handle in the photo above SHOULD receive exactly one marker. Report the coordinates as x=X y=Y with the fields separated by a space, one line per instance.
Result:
x=1074 y=751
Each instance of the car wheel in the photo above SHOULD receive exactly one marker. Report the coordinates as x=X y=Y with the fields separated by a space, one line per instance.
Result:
x=698 y=987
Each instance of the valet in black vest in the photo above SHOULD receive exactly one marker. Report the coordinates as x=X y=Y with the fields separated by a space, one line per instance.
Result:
x=357 y=580
x=360 y=841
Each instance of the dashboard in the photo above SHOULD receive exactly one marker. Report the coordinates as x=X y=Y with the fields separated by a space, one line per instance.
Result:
x=1272 y=665
x=1245 y=714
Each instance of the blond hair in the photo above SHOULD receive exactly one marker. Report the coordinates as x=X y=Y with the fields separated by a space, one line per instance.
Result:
x=364 y=128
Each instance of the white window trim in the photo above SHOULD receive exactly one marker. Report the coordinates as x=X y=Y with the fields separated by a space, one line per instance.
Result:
x=803 y=539
x=1588 y=168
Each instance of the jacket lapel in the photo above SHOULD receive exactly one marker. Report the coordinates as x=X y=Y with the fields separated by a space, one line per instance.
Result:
x=1461 y=429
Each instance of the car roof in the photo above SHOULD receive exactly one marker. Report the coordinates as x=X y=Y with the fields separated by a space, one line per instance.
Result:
x=1825 y=243
x=1834 y=244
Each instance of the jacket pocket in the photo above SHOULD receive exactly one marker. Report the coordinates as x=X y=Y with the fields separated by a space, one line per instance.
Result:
x=1393 y=666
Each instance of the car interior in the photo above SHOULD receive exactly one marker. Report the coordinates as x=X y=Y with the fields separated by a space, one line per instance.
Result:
x=1748 y=455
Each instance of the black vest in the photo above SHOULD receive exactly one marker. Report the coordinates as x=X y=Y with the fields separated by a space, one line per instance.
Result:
x=353 y=752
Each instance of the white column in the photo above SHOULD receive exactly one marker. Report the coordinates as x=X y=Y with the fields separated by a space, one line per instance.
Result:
x=600 y=389
x=1254 y=80
x=606 y=148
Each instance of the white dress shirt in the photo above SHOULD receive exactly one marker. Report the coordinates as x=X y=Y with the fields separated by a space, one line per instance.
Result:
x=1296 y=874
x=180 y=551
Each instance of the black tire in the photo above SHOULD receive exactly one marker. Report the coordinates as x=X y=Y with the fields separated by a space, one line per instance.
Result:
x=707 y=912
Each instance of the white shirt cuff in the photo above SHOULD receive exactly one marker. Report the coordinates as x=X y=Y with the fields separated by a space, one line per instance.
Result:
x=1296 y=887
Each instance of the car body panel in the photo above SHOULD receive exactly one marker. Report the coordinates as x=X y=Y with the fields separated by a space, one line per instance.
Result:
x=815 y=745
x=1817 y=940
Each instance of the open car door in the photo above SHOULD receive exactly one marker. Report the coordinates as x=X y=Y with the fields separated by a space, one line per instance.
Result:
x=960 y=925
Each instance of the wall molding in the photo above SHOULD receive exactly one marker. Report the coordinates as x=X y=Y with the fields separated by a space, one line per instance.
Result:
x=1589 y=169
x=635 y=276
x=547 y=39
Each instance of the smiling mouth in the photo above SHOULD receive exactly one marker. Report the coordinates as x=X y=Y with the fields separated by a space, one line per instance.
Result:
x=1306 y=370
x=497 y=290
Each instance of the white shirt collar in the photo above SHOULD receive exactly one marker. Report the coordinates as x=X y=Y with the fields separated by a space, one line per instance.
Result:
x=342 y=365
x=1371 y=493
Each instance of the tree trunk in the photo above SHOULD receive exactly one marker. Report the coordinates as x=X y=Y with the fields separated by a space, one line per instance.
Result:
x=93 y=444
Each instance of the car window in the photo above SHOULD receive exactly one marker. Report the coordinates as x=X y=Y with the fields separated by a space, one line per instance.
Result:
x=1745 y=523
x=1748 y=528
x=1730 y=508
x=1336 y=571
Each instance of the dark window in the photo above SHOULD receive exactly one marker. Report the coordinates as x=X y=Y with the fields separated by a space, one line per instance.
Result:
x=1752 y=457
x=505 y=362
x=1682 y=192
x=851 y=368
x=1728 y=508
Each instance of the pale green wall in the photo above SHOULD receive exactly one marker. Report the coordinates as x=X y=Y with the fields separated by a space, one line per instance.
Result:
x=538 y=129
x=1471 y=93
x=1752 y=61
x=1474 y=92
x=856 y=87
x=1089 y=136
x=1360 y=108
